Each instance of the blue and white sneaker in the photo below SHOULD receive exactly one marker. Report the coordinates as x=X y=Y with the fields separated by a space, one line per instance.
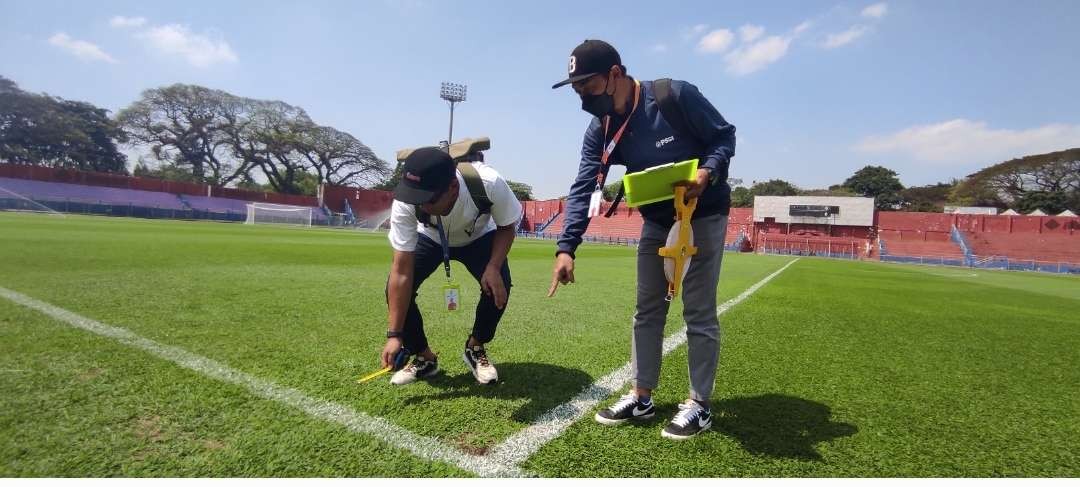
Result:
x=691 y=419
x=476 y=359
x=417 y=369
x=626 y=408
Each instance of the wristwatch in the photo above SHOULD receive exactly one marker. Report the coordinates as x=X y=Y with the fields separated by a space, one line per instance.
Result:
x=393 y=334
x=713 y=176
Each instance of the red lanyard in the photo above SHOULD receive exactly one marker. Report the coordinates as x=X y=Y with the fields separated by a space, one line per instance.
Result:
x=610 y=147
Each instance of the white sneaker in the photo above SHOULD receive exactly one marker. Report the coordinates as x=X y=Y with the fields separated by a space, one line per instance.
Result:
x=691 y=420
x=417 y=369
x=477 y=361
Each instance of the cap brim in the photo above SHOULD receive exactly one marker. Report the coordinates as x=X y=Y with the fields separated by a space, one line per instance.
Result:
x=412 y=196
x=572 y=79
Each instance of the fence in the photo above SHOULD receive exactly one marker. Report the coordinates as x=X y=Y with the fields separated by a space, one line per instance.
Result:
x=990 y=262
x=593 y=239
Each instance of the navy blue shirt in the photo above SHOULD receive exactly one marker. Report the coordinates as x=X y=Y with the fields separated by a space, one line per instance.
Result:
x=650 y=141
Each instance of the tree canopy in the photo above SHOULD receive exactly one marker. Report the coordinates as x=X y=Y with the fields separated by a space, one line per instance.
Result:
x=880 y=183
x=44 y=130
x=226 y=139
x=1050 y=182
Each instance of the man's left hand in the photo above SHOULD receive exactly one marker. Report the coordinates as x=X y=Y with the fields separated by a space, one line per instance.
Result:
x=492 y=284
x=695 y=188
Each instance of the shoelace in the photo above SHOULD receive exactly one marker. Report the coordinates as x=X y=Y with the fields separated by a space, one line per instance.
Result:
x=688 y=411
x=624 y=402
x=412 y=366
x=481 y=357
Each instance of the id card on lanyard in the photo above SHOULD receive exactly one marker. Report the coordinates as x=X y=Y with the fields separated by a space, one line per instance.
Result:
x=597 y=195
x=451 y=290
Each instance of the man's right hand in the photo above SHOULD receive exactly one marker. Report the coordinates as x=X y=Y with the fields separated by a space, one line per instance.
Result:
x=563 y=272
x=390 y=350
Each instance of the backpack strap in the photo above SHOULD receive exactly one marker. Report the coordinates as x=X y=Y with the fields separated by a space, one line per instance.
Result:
x=474 y=184
x=670 y=108
x=422 y=216
x=615 y=202
x=673 y=115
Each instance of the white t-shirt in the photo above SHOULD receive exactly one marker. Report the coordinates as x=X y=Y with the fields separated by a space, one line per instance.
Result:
x=464 y=223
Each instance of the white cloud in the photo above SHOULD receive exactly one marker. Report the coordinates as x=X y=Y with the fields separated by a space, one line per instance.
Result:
x=750 y=33
x=753 y=57
x=659 y=48
x=718 y=40
x=875 y=11
x=753 y=52
x=120 y=21
x=963 y=141
x=81 y=49
x=690 y=33
x=846 y=37
x=198 y=50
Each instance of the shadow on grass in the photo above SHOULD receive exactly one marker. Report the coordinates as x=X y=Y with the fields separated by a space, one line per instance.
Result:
x=778 y=426
x=544 y=385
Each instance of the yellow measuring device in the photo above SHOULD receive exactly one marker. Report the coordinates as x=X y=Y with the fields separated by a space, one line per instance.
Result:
x=680 y=243
x=375 y=374
x=399 y=361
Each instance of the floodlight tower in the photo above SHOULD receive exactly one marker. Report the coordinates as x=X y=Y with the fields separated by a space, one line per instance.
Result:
x=453 y=93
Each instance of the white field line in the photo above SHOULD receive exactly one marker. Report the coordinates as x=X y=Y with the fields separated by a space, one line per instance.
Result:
x=523 y=444
x=356 y=421
x=501 y=461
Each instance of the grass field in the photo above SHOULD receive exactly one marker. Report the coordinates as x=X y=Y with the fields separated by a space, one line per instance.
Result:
x=833 y=368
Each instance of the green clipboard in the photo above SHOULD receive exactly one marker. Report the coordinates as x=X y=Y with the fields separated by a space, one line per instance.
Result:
x=655 y=183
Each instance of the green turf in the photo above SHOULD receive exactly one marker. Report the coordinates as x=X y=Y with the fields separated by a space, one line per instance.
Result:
x=834 y=368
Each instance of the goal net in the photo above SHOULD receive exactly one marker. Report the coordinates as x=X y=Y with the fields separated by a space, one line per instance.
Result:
x=278 y=214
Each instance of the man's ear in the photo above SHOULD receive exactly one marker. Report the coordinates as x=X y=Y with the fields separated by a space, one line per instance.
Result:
x=613 y=76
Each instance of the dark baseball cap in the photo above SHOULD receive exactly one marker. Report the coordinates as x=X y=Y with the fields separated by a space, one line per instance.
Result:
x=424 y=174
x=589 y=58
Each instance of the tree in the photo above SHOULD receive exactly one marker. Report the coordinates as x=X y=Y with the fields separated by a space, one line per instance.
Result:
x=391 y=182
x=742 y=197
x=186 y=125
x=8 y=86
x=774 y=187
x=931 y=198
x=1051 y=202
x=522 y=191
x=1014 y=181
x=49 y=131
x=876 y=182
x=339 y=158
x=222 y=138
x=834 y=190
x=611 y=190
x=167 y=171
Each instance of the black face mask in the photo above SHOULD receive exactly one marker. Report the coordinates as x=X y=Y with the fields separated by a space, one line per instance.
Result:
x=598 y=105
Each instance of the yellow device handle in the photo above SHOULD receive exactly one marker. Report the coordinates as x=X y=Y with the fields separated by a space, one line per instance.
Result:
x=683 y=248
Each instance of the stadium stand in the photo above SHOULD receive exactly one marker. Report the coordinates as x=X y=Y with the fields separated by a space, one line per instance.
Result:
x=60 y=193
x=1021 y=242
x=71 y=191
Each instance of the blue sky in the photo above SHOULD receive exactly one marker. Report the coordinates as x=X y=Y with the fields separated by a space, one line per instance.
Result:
x=933 y=90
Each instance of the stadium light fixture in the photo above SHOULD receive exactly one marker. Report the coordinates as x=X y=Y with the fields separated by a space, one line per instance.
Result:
x=452 y=93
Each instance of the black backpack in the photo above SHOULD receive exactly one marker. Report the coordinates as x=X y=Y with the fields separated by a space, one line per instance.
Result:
x=675 y=117
x=476 y=190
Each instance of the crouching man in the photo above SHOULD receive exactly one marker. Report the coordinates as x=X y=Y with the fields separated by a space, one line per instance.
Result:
x=444 y=210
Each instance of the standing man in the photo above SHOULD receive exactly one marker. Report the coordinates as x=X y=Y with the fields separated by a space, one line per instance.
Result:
x=642 y=124
x=443 y=211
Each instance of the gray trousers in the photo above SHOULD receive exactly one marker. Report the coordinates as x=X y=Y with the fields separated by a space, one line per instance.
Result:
x=698 y=294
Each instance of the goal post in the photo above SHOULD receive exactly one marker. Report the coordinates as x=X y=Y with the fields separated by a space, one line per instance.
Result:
x=278 y=214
